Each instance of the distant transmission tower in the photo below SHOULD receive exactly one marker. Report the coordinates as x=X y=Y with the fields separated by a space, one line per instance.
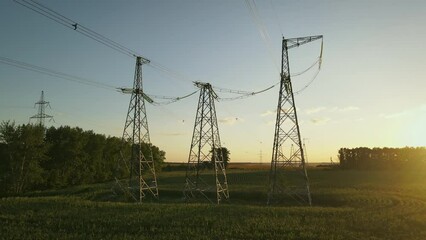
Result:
x=41 y=115
x=206 y=152
x=288 y=179
x=142 y=178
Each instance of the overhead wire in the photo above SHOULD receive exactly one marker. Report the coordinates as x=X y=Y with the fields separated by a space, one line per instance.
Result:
x=42 y=12
x=319 y=61
x=307 y=69
x=263 y=31
x=246 y=94
x=72 y=78
x=171 y=73
x=86 y=31
x=53 y=73
x=274 y=11
x=243 y=94
x=170 y=99
x=252 y=7
x=71 y=24
x=308 y=84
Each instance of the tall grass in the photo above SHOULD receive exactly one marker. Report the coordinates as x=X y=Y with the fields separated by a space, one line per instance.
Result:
x=347 y=205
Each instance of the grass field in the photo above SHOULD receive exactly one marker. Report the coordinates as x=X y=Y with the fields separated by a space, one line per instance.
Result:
x=347 y=205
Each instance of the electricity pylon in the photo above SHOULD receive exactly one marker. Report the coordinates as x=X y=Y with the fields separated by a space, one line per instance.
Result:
x=140 y=166
x=205 y=152
x=41 y=115
x=288 y=178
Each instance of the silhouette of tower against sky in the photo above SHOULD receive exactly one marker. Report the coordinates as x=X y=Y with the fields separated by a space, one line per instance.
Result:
x=288 y=178
x=142 y=179
x=206 y=174
x=41 y=114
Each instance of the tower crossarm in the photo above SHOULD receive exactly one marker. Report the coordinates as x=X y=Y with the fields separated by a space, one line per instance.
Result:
x=296 y=42
x=206 y=86
x=136 y=91
x=41 y=115
x=143 y=60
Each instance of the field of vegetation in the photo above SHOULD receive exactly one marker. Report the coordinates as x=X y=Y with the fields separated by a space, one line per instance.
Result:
x=347 y=204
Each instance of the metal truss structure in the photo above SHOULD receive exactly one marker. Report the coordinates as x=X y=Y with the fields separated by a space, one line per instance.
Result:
x=41 y=115
x=142 y=180
x=205 y=153
x=288 y=178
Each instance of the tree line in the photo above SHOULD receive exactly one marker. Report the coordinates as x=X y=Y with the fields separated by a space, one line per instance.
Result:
x=35 y=158
x=382 y=158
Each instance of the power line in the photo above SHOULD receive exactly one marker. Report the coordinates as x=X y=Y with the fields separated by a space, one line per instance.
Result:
x=308 y=84
x=274 y=11
x=244 y=94
x=309 y=68
x=170 y=99
x=263 y=31
x=169 y=72
x=71 y=24
x=53 y=73
x=319 y=61
x=80 y=80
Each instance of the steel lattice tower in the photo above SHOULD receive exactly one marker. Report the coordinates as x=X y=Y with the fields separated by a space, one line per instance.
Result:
x=205 y=150
x=41 y=115
x=141 y=168
x=288 y=178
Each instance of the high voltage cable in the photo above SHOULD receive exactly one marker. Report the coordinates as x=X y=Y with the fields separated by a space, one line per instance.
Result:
x=319 y=61
x=68 y=77
x=252 y=7
x=71 y=24
x=308 y=84
x=53 y=73
x=309 y=68
x=274 y=11
x=171 y=99
x=244 y=94
x=72 y=78
x=263 y=31
x=170 y=72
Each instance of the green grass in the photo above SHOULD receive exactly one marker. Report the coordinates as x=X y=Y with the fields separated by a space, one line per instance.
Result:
x=347 y=205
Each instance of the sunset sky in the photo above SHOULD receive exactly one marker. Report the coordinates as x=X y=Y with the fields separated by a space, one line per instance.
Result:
x=371 y=90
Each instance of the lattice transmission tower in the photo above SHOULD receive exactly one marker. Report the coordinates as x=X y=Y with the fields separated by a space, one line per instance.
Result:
x=206 y=153
x=41 y=115
x=288 y=178
x=142 y=180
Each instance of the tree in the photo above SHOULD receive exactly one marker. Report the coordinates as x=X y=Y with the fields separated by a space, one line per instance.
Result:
x=67 y=163
x=22 y=152
x=383 y=158
x=222 y=151
x=157 y=155
x=32 y=157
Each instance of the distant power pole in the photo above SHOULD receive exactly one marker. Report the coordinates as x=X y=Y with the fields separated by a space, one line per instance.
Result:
x=305 y=150
x=206 y=151
x=140 y=167
x=41 y=115
x=288 y=179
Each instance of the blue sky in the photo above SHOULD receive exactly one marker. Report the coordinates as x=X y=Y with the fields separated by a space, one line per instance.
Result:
x=369 y=92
